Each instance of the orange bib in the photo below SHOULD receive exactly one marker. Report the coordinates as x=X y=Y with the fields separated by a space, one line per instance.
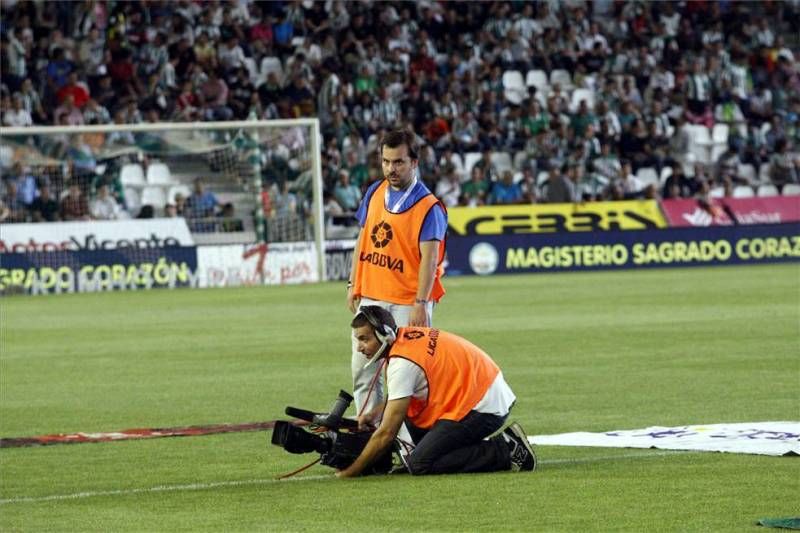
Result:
x=388 y=252
x=458 y=372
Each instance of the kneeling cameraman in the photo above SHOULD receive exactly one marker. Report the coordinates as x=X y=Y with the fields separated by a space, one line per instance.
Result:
x=451 y=394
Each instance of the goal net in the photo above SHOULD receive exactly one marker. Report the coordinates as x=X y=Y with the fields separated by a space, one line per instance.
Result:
x=265 y=178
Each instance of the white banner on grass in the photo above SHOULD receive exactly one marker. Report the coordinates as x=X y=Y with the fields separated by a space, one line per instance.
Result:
x=761 y=438
x=274 y=263
x=94 y=235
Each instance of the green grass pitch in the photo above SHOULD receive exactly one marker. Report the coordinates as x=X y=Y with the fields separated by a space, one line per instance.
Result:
x=582 y=351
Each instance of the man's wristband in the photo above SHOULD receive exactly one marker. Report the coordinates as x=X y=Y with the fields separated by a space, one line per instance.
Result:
x=349 y=285
x=420 y=301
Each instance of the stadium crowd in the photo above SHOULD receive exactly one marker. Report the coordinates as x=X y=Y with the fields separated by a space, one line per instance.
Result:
x=550 y=101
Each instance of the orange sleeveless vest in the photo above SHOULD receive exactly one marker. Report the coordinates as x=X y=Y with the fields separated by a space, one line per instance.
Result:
x=458 y=372
x=388 y=252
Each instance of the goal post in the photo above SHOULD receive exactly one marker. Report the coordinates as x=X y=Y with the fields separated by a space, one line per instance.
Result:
x=267 y=174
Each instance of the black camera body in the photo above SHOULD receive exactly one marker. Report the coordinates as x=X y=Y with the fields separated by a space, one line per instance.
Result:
x=337 y=439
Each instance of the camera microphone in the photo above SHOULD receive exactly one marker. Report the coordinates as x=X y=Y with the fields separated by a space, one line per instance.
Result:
x=333 y=418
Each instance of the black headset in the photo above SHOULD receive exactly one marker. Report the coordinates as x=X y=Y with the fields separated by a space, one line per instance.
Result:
x=385 y=333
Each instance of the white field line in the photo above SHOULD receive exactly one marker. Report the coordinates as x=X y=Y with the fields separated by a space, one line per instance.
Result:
x=249 y=482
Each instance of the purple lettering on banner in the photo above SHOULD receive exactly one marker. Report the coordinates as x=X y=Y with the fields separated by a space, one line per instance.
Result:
x=667 y=433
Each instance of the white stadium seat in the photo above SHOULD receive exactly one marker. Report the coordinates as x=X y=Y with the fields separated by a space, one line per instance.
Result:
x=132 y=200
x=716 y=151
x=720 y=133
x=665 y=173
x=159 y=174
x=457 y=162
x=252 y=71
x=501 y=160
x=542 y=178
x=183 y=190
x=579 y=95
x=271 y=64
x=562 y=77
x=6 y=157
x=520 y=158
x=647 y=175
x=538 y=79
x=743 y=191
x=763 y=173
x=154 y=196
x=766 y=189
x=470 y=158
x=717 y=192
x=747 y=172
x=700 y=142
x=791 y=189
x=514 y=86
x=132 y=174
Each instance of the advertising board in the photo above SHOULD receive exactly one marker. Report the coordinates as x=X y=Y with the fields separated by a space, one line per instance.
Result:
x=498 y=254
x=555 y=218
x=339 y=259
x=94 y=235
x=69 y=271
x=254 y=264
x=689 y=212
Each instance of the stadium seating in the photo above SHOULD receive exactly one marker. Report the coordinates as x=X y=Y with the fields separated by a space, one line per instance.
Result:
x=252 y=71
x=470 y=158
x=133 y=201
x=719 y=135
x=648 y=176
x=743 y=191
x=562 y=77
x=764 y=173
x=542 y=178
x=502 y=161
x=514 y=86
x=538 y=79
x=159 y=174
x=700 y=143
x=747 y=172
x=183 y=190
x=520 y=158
x=665 y=173
x=6 y=156
x=154 y=196
x=522 y=77
x=132 y=175
x=717 y=192
x=791 y=189
x=271 y=64
x=581 y=94
x=766 y=189
x=457 y=162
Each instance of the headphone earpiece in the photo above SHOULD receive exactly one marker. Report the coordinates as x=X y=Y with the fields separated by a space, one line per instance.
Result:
x=386 y=335
x=383 y=332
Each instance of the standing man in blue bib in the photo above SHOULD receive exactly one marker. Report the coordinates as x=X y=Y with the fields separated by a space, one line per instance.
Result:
x=397 y=261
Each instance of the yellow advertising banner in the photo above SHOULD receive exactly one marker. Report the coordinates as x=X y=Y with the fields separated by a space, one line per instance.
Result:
x=553 y=218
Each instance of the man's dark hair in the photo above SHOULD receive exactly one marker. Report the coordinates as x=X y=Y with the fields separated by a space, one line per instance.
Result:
x=370 y=314
x=396 y=138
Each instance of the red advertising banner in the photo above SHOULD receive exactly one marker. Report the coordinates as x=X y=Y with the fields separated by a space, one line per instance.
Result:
x=766 y=210
x=689 y=212
x=682 y=213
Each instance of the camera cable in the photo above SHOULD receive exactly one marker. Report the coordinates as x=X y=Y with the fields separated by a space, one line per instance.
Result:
x=302 y=468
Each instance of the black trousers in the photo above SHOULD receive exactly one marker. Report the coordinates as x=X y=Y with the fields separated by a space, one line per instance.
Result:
x=451 y=447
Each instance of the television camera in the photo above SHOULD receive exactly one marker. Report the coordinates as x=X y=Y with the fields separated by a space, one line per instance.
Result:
x=336 y=438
